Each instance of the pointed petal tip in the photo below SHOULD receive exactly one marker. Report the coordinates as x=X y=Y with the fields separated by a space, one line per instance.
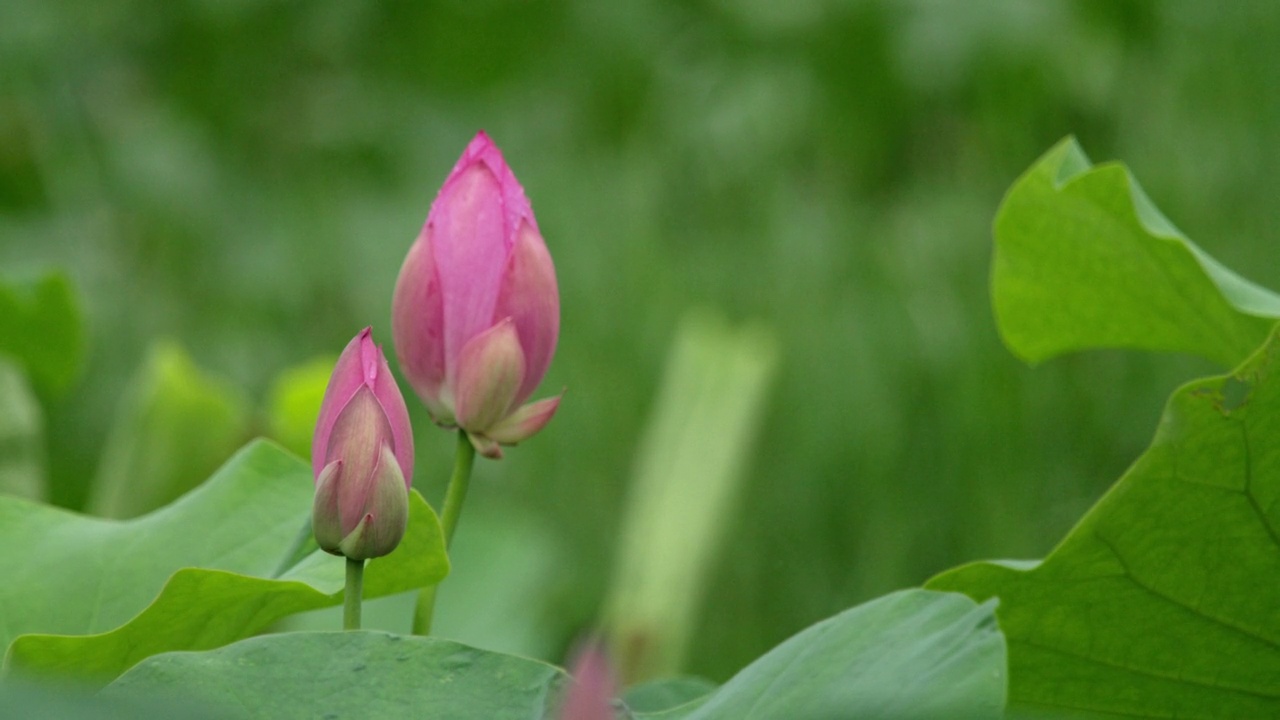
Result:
x=370 y=356
x=481 y=149
x=526 y=421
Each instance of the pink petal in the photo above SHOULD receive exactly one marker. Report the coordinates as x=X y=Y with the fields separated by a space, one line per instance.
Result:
x=325 y=513
x=525 y=422
x=490 y=371
x=529 y=296
x=469 y=247
x=362 y=365
x=359 y=436
x=482 y=150
x=381 y=526
x=417 y=324
x=347 y=377
x=391 y=401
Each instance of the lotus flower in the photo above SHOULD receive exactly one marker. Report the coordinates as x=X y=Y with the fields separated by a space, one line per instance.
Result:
x=362 y=456
x=476 y=311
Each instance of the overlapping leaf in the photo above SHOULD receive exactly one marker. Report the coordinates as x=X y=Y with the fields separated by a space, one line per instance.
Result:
x=90 y=597
x=1083 y=260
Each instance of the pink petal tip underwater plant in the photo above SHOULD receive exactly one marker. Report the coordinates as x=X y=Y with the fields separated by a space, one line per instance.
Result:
x=362 y=456
x=476 y=311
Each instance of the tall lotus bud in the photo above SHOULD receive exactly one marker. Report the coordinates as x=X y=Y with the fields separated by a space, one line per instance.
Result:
x=476 y=311
x=362 y=456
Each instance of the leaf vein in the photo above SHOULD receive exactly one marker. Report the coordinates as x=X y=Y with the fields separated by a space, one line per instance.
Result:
x=1221 y=622
x=1109 y=711
x=1248 y=488
x=1262 y=694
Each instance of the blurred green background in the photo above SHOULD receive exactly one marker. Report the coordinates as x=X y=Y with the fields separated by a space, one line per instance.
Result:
x=243 y=178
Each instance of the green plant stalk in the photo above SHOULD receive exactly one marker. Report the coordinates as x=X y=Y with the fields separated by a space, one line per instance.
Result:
x=454 y=497
x=354 y=594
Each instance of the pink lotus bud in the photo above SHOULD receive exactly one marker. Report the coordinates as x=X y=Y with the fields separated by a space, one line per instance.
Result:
x=590 y=697
x=476 y=311
x=362 y=456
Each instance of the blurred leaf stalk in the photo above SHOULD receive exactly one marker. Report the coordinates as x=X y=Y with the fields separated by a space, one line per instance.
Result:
x=688 y=470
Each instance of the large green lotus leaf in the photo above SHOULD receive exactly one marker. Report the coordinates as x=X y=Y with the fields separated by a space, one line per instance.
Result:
x=913 y=654
x=1165 y=600
x=60 y=701
x=359 y=674
x=40 y=327
x=1083 y=259
x=175 y=426
x=91 y=597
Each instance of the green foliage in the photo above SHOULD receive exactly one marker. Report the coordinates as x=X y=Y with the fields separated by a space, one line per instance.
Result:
x=912 y=654
x=41 y=328
x=1157 y=603
x=365 y=674
x=173 y=428
x=89 y=597
x=1084 y=260
x=827 y=167
x=915 y=654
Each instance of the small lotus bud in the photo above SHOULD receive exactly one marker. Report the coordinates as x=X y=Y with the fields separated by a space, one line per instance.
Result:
x=362 y=456
x=476 y=310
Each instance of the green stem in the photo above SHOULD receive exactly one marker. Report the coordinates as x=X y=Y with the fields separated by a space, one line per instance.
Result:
x=454 y=496
x=457 y=492
x=355 y=592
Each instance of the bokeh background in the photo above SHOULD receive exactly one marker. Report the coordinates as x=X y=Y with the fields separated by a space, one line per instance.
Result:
x=241 y=179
